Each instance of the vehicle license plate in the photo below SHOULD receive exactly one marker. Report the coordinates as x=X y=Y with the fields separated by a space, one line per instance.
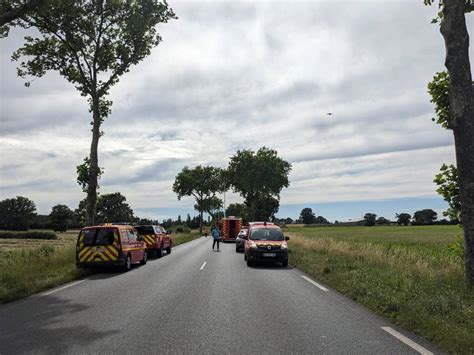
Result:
x=270 y=255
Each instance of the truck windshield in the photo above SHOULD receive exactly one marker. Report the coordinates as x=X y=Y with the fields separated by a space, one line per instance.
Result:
x=144 y=230
x=266 y=234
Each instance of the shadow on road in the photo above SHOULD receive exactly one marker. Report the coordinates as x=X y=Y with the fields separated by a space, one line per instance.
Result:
x=38 y=325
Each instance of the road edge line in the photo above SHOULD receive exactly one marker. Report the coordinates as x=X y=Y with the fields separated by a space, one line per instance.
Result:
x=321 y=287
x=407 y=341
x=61 y=288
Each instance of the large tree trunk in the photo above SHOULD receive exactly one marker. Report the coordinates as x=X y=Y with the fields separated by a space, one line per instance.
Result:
x=94 y=165
x=200 y=222
x=461 y=116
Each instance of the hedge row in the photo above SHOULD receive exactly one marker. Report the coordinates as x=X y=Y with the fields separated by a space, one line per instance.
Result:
x=28 y=235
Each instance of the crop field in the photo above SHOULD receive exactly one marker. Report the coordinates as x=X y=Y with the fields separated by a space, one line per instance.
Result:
x=407 y=274
x=28 y=266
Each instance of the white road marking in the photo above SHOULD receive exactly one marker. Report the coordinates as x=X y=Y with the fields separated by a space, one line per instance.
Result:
x=407 y=341
x=62 y=288
x=315 y=283
x=203 y=265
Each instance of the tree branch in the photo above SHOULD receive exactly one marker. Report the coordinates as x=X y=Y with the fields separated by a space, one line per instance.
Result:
x=20 y=11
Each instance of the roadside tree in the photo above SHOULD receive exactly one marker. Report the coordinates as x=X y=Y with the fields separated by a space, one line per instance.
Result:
x=382 y=221
x=460 y=113
x=425 y=217
x=235 y=209
x=91 y=44
x=307 y=215
x=321 y=220
x=61 y=217
x=114 y=208
x=370 y=219
x=202 y=183
x=403 y=218
x=17 y=213
x=259 y=178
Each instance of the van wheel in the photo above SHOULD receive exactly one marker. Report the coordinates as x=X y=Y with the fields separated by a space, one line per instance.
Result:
x=145 y=258
x=249 y=263
x=159 y=252
x=284 y=263
x=128 y=263
x=168 y=251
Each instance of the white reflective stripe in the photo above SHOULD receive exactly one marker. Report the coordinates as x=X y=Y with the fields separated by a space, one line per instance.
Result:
x=314 y=283
x=62 y=288
x=407 y=341
x=203 y=265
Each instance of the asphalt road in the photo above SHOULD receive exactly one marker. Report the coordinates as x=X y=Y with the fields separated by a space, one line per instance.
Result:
x=196 y=301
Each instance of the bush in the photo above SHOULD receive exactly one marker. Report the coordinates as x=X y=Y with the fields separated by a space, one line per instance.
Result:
x=457 y=247
x=27 y=235
x=181 y=229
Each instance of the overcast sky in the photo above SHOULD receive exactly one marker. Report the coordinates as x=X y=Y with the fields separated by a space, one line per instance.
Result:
x=235 y=75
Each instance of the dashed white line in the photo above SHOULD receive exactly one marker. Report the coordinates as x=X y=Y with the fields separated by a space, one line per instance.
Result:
x=314 y=283
x=407 y=341
x=203 y=265
x=62 y=288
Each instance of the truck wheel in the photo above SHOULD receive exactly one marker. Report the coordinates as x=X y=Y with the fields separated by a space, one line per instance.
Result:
x=145 y=258
x=159 y=252
x=168 y=250
x=128 y=263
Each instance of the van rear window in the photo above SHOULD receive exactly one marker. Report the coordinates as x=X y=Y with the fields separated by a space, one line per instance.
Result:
x=144 y=230
x=99 y=236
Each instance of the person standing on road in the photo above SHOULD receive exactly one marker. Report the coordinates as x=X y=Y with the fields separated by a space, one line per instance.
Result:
x=216 y=234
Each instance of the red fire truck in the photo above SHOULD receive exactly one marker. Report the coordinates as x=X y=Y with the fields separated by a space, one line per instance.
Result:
x=230 y=227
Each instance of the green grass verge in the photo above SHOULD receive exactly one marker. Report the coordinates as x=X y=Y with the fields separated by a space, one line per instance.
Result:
x=28 y=270
x=406 y=274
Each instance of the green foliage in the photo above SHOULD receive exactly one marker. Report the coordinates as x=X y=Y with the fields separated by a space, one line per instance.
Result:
x=113 y=208
x=307 y=216
x=403 y=218
x=17 y=213
x=370 y=219
x=202 y=183
x=259 y=177
x=28 y=235
x=438 y=89
x=91 y=44
x=448 y=187
x=457 y=247
x=61 y=217
x=83 y=174
x=424 y=217
x=236 y=209
x=382 y=221
x=182 y=228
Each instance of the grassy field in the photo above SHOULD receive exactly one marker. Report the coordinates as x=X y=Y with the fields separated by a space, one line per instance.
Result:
x=406 y=274
x=29 y=266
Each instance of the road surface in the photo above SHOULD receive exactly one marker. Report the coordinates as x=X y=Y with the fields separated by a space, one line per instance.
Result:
x=198 y=301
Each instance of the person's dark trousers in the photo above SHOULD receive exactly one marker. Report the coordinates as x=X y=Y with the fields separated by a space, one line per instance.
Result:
x=214 y=243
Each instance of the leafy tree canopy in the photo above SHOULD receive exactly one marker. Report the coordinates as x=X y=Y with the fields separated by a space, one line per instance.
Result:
x=370 y=219
x=425 y=217
x=17 y=213
x=114 y=208
x=61 y=216
x=403 y=218
x=307 y=215
x=259 y=177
